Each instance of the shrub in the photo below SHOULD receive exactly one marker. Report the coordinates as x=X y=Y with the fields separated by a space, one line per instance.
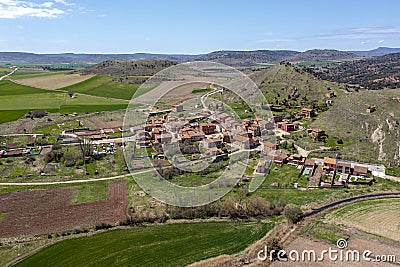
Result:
x=293 y=213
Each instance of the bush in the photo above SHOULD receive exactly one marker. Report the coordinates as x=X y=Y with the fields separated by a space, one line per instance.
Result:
x=293 y=213
x=273 y=244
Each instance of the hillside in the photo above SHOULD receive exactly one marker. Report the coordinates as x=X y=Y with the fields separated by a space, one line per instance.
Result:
x=373 y=137
x=321 y=54
x=380 y=51
x=242 y=58
x=286 y=82
x=370 y=73
x=129 y=67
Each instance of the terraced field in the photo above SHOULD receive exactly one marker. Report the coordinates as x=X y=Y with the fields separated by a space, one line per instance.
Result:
x=380 y=217
x=158 y=245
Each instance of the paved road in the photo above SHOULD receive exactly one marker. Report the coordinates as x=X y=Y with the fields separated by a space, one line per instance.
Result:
x=11 y=73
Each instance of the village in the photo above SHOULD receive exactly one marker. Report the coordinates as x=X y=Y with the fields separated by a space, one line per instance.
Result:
x=214 y=135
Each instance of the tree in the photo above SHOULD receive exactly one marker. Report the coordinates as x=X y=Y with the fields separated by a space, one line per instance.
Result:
x=71 y=93
x=322 y=105
x=86 y=148
x=293 y=213
x=273 y=244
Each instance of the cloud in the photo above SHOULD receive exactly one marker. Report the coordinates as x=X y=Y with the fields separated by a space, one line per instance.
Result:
x=11 y=9
x=63 y=2
x=273 y=40
x=362 y=33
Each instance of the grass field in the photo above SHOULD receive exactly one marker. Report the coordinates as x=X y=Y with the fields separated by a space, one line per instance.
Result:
x=203 y=90
x=22 y=74
x=104 y=86
x=91 y=192
x=158 y=245
x=16 y=100
x=10 y=88
x=380 y=217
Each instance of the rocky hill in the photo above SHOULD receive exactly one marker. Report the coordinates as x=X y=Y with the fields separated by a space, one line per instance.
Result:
x=321 y=54
x=371 y=137
x=285 y=82
x=129 y=67
x=243 y=58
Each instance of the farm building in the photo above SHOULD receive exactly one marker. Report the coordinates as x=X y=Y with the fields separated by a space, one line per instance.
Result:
x=317 y=133
x=330 y=163
x=281 y=157
x=260 y=168
x=330 y=94
x=177 y=108
x=360 y=170
x=287 y=127
x=307 y=113
x=344 y=167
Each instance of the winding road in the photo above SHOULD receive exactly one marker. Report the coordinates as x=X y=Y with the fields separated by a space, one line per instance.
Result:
x=11 y=73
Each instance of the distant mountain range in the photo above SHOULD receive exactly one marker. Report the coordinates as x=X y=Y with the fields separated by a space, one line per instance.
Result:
x=71 y=58
x=227 y=57
x=380 y=51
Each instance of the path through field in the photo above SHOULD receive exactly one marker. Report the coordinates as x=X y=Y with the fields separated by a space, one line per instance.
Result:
x=11 y=73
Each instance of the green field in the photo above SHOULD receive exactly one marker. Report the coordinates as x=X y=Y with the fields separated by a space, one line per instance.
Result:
x=203 y=90
x=28 y=74
x=158 y=245
x=104 y=86
x=8 y=88
x=16 y=100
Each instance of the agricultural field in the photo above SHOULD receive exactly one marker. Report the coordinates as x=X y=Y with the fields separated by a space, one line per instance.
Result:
x=51 y=210
x=157 y=245
x=5 y=71
x=53 y=81
x=18 y=99
x=379 y=217
x=104 y=86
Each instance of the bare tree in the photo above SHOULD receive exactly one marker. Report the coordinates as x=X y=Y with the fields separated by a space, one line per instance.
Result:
x=86 y=147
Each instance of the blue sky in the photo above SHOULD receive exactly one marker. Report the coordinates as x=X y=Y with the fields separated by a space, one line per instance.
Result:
x=123 y=26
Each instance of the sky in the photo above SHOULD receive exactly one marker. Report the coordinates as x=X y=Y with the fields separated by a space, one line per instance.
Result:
x=195 y=27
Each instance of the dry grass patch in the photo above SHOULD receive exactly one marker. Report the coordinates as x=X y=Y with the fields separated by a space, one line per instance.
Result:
x=52 y=82
x=379 y=217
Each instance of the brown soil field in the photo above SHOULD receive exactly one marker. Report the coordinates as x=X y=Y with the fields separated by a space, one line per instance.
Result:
x=176 y=95
x=48 y=211
x=54 y=81
x=356 y=242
